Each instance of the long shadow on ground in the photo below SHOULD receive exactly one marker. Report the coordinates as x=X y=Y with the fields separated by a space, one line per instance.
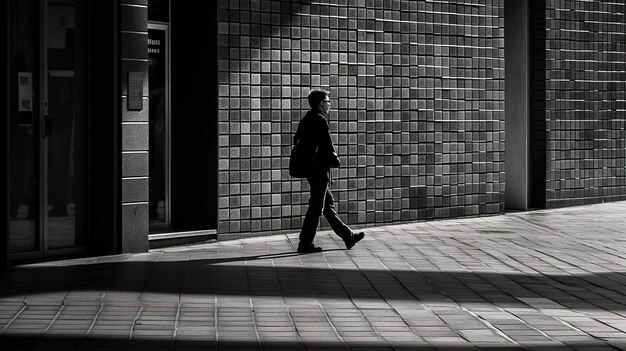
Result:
x=288 y=279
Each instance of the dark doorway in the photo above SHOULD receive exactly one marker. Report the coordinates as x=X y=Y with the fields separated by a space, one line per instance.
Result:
x=194 y=115
x=158 y=53
x=183 y=121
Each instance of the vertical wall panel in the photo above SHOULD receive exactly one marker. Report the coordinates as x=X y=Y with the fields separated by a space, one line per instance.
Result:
x=417 y=91
x=537 y=169
x=134 y=135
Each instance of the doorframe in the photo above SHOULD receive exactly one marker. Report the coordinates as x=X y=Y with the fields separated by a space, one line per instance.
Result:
x=39 y=149
x=42 y=138
x=165 y=227
x=4 y=131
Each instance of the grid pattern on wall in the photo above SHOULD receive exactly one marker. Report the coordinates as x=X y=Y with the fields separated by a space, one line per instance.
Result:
x=417 y=91
x=585 y=101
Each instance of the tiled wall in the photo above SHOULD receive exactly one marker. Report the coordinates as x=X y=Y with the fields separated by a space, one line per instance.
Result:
x=584 y=99
x=417 y=89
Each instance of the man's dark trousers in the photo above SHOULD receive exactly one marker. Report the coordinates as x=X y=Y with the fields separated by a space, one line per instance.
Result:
x=321 y=202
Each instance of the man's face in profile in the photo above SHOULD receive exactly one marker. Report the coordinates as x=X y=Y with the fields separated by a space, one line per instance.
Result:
x=325 y=105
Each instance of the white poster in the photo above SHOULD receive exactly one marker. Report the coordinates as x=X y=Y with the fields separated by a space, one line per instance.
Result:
x=25 y=91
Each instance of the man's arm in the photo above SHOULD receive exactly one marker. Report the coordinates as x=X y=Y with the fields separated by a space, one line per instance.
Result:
x=326 y=145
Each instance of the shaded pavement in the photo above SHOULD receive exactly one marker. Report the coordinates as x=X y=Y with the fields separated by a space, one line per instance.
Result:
x=541 y=280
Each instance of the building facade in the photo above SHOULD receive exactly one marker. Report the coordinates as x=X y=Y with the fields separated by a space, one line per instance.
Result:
x=134 y=124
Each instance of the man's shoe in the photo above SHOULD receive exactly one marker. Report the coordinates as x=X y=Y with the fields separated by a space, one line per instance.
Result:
x=354 y=239
x=308 y=248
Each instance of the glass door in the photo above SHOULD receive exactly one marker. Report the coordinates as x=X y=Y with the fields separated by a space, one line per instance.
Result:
x=24 y=128
x=159 y=201
x=48 y=128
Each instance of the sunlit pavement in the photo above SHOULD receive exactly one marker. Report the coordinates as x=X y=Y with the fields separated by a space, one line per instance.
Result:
x=541 y=280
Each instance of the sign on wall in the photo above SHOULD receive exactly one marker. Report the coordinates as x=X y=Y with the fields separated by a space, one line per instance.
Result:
x=25 y=98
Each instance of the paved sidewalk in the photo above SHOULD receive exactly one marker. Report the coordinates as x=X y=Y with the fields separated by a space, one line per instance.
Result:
x=544 y=280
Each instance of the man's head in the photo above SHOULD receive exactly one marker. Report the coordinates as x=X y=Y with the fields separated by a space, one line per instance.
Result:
x=319 y=100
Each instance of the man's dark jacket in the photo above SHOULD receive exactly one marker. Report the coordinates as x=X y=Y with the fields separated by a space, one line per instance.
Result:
x=313 y=131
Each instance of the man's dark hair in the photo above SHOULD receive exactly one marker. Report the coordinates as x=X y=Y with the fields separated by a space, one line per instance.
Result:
x=316 y=96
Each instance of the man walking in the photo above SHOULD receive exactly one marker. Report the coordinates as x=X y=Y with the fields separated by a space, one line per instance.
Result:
x=313 y=131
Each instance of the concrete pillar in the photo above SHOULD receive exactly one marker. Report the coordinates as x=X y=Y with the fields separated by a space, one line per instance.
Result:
x=135 y=118
x=517 y=95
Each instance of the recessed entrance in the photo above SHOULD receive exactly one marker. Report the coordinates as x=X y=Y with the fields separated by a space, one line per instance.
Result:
x=183 y=126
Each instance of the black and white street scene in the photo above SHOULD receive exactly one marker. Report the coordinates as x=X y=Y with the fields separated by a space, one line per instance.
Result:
x=315 y=175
